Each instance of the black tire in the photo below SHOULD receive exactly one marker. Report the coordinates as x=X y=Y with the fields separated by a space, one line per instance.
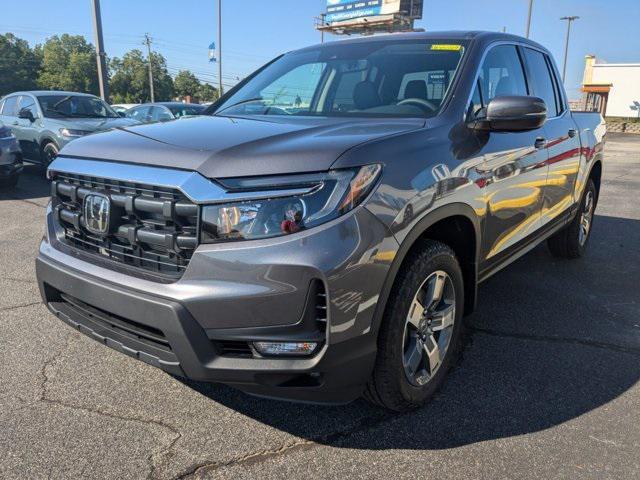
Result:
x=48 y=153
x=389 y=386
x=571 y=242
x=10 y=182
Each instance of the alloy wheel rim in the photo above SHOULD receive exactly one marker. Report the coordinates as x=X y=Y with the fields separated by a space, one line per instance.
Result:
x=50 y=153
x=586 y=218
x=428 y=328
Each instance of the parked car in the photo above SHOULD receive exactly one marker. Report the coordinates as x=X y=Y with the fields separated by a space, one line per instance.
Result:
x=268 y=245
x=45 y=121
x=10 y=158
x=121 y=108
x=164 y=111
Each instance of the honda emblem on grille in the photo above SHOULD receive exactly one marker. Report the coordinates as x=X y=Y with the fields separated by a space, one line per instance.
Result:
x=97 y=210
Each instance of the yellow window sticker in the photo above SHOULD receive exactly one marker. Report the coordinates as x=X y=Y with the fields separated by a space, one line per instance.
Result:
x=447 y=47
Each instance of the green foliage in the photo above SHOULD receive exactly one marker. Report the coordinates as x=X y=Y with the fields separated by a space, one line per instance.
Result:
x=130 y=78
x=68 y=63
x=186 y=83
x=207 y=93
x=19 y=65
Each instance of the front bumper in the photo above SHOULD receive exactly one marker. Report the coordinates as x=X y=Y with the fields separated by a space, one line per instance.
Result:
x=238 y=294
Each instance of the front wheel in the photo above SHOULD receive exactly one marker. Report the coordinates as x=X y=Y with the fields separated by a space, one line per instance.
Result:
x=49 y=153
x=420 y=336
x=571 y=241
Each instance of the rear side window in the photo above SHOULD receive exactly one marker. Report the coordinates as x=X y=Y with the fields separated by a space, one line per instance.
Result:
x=540 y=80
x=10 y=106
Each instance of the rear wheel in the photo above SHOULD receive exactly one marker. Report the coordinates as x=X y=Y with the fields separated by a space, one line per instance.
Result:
x=419 y=339
x=572 y=240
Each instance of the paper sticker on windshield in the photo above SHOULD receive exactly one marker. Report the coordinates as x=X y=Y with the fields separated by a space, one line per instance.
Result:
x=446 y=47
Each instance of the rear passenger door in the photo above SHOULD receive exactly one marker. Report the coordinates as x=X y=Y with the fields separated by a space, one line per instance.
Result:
x=514 y=166
x=563 y=142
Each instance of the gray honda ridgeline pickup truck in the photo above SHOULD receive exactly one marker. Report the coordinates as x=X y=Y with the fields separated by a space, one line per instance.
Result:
x=320 y=234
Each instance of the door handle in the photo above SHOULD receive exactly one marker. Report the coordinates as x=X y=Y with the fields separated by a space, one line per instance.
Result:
x=540 y=142
x=572 y=133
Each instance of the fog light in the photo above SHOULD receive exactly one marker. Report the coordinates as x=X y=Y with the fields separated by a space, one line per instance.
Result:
x=285 y=348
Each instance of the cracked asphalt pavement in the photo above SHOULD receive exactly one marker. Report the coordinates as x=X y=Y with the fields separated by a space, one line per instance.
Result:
x=547 y=386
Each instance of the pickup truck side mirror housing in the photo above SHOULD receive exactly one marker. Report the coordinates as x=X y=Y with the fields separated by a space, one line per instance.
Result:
x=26 y=114
x=513 y=113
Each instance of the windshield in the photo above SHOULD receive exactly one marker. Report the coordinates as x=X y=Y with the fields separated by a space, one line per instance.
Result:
x=75 y=106
x=186 y=110
x=392 y=78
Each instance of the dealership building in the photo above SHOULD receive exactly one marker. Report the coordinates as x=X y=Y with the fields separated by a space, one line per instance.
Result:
x=612 y=89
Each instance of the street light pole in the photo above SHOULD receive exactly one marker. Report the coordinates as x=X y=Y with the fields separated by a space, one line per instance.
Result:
x=529 y=18
x=219 y=48
x=147 y=40
x=566 y=45
x=103 y=79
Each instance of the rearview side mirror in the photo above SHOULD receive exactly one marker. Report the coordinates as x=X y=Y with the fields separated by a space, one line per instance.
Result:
x=26 y=114
x=513 y=113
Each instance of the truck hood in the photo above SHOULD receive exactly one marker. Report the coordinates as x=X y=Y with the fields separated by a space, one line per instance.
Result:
x=219 y=147
x=97 y=124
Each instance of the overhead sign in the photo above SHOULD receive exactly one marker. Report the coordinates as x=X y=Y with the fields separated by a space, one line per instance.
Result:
x=342 y=10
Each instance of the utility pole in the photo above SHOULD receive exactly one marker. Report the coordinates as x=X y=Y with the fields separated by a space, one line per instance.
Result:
x=529 y=18
x=322 y=17
x=566 y=45
x=219 y=48
x=103 y=78
x=147 y=40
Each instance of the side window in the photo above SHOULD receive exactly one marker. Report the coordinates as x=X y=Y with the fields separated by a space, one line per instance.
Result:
x=294 y=89
x=139 y=114
x=540 y=80
x=475 y=106
x=160 y=114
x=10 y=107
x=502 y=74
x=28 y=103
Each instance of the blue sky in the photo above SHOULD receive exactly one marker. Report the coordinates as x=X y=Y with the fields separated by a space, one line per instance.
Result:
x=255 y=30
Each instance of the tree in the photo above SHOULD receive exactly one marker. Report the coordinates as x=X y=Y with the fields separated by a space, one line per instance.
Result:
x=130 y=78
x=19 y=65
x=186 y=84
x=68 y=63
x=207 y=93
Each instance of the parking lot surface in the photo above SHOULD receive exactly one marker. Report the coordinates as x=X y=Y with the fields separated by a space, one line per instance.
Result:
x=547 y=386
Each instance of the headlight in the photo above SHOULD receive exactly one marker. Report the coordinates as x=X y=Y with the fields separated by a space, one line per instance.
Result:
x=69 y=132
x=330 y=195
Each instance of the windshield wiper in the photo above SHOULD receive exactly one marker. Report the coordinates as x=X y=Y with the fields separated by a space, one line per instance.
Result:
x=65 y=114
x=243 y=102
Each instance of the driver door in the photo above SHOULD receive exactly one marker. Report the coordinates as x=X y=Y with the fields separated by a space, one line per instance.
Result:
x=514 y=167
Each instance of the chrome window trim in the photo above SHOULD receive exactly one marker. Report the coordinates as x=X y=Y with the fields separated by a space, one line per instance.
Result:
x=516 y=44
x=195 y=187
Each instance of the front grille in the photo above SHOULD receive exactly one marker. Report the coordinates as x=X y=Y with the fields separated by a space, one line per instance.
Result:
x=156 y=228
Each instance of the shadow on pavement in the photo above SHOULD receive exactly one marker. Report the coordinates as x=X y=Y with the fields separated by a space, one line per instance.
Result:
x=541 y=352
x=31 y=185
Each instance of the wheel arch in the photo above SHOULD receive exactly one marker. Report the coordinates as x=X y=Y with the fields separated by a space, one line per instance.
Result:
x=595 y=174
x=449 y=224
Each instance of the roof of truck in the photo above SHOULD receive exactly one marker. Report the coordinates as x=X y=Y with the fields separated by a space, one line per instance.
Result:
x=435 y=35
